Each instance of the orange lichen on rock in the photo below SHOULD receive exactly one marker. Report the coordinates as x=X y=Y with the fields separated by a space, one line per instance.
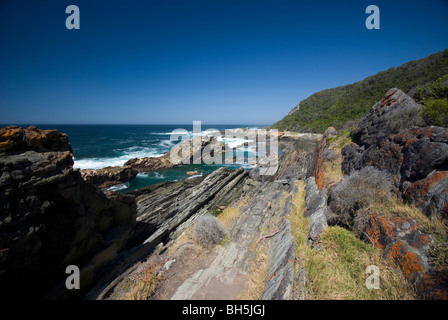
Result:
x=383 y=230
x=406 y=260
x=399 y=238
x=424 y=131
x=380 y=231
x=417 y=190
x=423 y=239
x=7 y=145
x=388 y=99
x=14 y=138
x=8 y=135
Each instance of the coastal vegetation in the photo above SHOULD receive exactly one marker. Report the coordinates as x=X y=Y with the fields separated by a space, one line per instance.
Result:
x=342 y=107
x=338 y=204
x=434 y=97
x=337 y=270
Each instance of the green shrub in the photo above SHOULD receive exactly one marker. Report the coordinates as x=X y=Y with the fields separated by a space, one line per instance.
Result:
x=436 y=112
x=434 y=90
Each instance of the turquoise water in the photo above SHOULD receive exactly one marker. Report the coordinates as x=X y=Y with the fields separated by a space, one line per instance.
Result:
x=99 y=146
x=172 y=174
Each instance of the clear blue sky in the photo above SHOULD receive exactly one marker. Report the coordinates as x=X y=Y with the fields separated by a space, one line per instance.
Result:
x=218 y=61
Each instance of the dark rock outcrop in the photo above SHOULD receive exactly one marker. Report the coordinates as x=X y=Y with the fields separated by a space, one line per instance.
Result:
x=407 y=245
x=408 y=154
x=149 y=163
x=380 y=122
x=416 y=156
x=51 y=218
x=109 y=176
x=402 y=240
x=430 y=193
x=165 y=210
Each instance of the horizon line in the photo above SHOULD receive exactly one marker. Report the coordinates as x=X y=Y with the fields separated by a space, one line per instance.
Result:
x=129 y=124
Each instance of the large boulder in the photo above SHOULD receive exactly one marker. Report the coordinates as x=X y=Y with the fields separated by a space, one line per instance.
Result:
x=409 y=154
x=51 y=218
x=386 y=117
x=430 y=193
x=394 y=139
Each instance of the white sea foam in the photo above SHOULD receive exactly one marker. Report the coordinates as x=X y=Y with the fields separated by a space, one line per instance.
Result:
x=98 y=163
x=142 y=175
x=163 y=147
x=234 y=142
x=166 y=143
x=154 y=175
x=194 y=176
x=161 y=133
x=119 y=187
x=158 y=175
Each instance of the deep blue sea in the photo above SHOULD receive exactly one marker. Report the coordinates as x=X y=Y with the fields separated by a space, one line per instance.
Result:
x=99 y=146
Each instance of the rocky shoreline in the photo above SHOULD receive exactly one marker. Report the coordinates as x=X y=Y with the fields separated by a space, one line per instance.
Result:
x=53 y=216
x=110 y=176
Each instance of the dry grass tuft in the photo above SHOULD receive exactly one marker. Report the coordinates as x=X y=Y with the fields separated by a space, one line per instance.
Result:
x=361 y=189
x=141 y=285
x=333 y=157
x=338 y=270
x=228 y=215
x=256 y=276
x=333 y=171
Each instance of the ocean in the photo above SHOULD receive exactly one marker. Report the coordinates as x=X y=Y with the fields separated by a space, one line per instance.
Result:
x=100 y=146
